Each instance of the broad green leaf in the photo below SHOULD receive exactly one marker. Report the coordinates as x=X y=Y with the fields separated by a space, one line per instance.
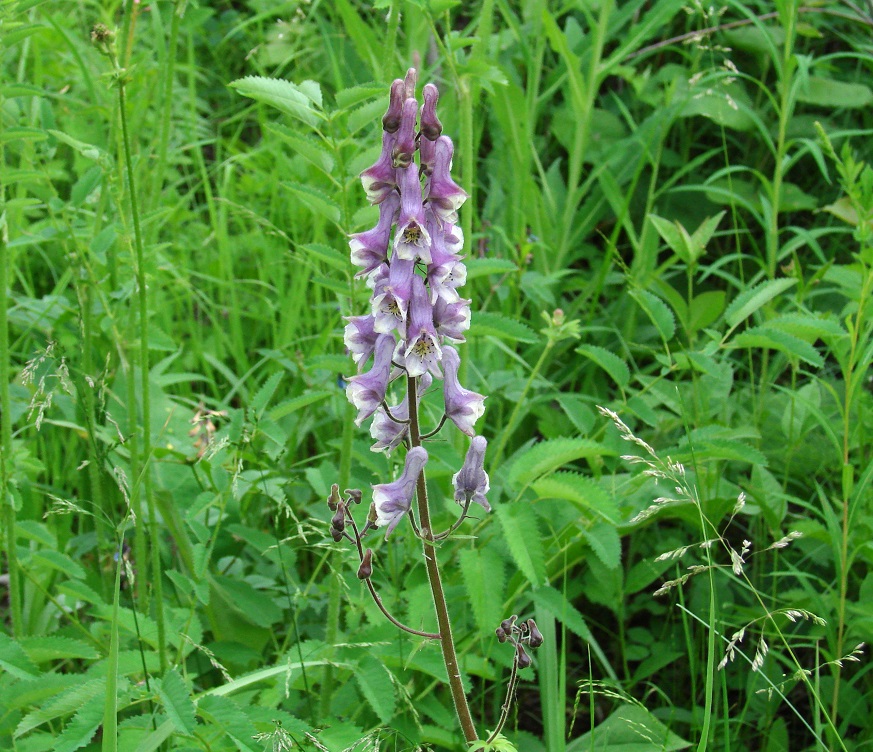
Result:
x=367 y=114
x=484 y=577
x=176 y=700
x=750 y=300
x=767 y=338
x=658 y=311
x=36 y=531
x=522 y=534
x=59 y=562
x=826 y=92
x=376 y=686
x=547 y=456
x=675 y=236
x=578 y=411
x=705 y=308
x=79 y=731
x=614 y=366
x=255 y=606
x=284 y=409
x=605 y=542
x=293 y=100
x=586 y=494
x=348 y=98
x=317 y=202
x=807 y=327
x=501 y=327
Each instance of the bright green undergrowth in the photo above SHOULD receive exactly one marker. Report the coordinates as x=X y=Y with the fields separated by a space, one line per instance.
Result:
x=171 y=363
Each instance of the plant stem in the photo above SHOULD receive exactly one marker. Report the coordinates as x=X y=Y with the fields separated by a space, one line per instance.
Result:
x=447 y=643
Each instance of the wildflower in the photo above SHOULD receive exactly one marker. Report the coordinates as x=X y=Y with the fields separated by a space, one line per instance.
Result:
x=444 y=195
x=423 y=351
x=404 y=146
x=463 y=407
x=370 y=248
x=380 y=180
x=412 y=240
x=452 y=319
x=471 y=481
x=388 y=432
x=360 y=338
x=393 y=500
x=431 y=127
x=367 y=391
x=391 y=296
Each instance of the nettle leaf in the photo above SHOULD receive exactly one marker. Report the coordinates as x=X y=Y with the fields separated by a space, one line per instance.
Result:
x=630 y=728
x=768 y=338
x=614 y=366
x=484 y=577
x=254 y=605
x=501 y=327
x=78 y=732
x=658 y=312
x=15 y=660
x=59 y=562
x=296 y=101
x=522 y=534
x=68 y=701
x=547 y=456
x=260 y=401
x=54 y=648
x=578 y=411
x=376 y=686
x=223 y=714
x=605 y=542
x=749 y=301
x=586 y=494
x=176 y=700
x=554 y=602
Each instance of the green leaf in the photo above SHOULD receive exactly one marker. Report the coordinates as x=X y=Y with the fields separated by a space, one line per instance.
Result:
x=767 y=338
x=305 y=146
x=254 y=605
x=260 y=401
x=330 y=256
x=376 y=686
x=614 y=366
x=289 y=98
x=501 y=327
x=547 y=456
x=521 y=530
x=55 y=648
x=631 y=728
x=586 y=494
x=605 y=542
x=177 y=701
x=316 y=201
x=89 y=151
x=284 y=409
x=658 y=311
x=223 y=714
x=675 y=236
x=15 y=660
x=481 y=267
x=68 y=701
x=78 y=732
x=484 y=577
x=705 y=308
x=749 y=301
x=826 y=92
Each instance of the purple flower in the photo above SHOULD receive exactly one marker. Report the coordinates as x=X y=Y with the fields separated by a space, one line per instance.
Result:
x=451 y=319
x=360 y=338
x=423 y=350
x=379 y=180
x=393 y=500
x=431 y=127
x=388 y=433
x=404 y=146
x=412 y=240
x=391 y=119
x=391 y=296
x=370 y=248
x=463 y=407
x=443 y=193
x=367 y=390
x=471 y=481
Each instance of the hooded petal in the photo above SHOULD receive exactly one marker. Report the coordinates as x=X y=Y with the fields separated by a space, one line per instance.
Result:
x=463 y=407
x=379 y=180
x=422 y=350
x=443 y=193
x=366 y=391
x=451 y=319
x=360 y=338
x=370 y=248
x=391 y=296
x=471 y=481
x=412 y=240
x=393 y=500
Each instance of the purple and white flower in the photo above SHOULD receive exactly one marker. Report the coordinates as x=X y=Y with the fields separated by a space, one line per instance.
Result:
x=443 y=193
x=360 y=338
x=393 y=500
x=367 y=390
x=423 y=351
x=388 y=433
x=463 y=407
x=471 y=481
x=451 y=319
x=380 y=180
x=412 y=240
x=391 y=296
x=370 y=248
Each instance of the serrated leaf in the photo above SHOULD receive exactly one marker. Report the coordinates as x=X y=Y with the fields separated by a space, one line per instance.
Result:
x=586 y=494
x=176 y=700
x=605 y=542
x=484 y=578
x=59 y=562
x=79 y=731
x=287 y=97
x=767 y=338
x=807 y=326
x=260 y=401
x=552 y=600
x=614 y=366
x=305 y=146
x=658 y=311
x=749 y=301
x=521 y=531
x=481 y=267
x=223 y=714
x=330 y=256
x=317 y=202
x=367 y=114
x=68 y=701
x=348 y=98
x=502 y=327
x=36 y=531
x=376 y=686
x=675 y=236
x=54 y=647
x=547 y=456
x=15 y=660
x=293 y=405
x=252 y=604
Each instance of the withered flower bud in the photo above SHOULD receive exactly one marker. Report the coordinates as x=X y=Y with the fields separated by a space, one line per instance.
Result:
x=522 y=657
x=338 y=521
x=501 y=635
x=373 y=515
x=354 y=495
x=337 y=535
x=391 y=119
x=365 y=571
x=536 y=637
x=334 y=499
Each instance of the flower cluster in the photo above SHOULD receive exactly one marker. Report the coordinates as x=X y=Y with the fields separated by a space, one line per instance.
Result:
x=412 y=263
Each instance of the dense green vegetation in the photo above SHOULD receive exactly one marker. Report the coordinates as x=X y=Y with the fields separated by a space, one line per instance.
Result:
x=670 y=217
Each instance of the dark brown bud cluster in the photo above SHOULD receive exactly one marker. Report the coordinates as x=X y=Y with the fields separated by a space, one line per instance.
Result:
x=520 y=634
x=340 y=509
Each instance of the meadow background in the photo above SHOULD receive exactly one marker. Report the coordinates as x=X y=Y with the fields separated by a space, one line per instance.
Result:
x=173 y=273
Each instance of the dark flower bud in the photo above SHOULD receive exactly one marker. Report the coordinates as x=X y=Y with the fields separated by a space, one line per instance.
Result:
x=337 y=535
x=334 y=499
x=522 y=657
x=373 y=515
x=338 y=521
x=354 y=495
x=536 y=637
x=365 y=571
x=391 y=119
x=501 y=634
x=431 y=127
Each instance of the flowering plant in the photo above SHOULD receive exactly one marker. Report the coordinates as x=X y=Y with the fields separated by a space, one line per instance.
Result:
x=416 y=317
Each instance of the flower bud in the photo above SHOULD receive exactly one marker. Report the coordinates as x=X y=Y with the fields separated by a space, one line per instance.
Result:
x=334 y=499
x=338 y=521
x=337 y=535
x=522 y=657
x=431 y=127
x=501 y=634
x=354 y=495
x=536 y=637
x=391 y=119
x=365 y=571
x=373 y=515
x=506 y=624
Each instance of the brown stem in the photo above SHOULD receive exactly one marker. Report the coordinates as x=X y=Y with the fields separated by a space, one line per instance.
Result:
x=510 y=691
x=447 y=643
